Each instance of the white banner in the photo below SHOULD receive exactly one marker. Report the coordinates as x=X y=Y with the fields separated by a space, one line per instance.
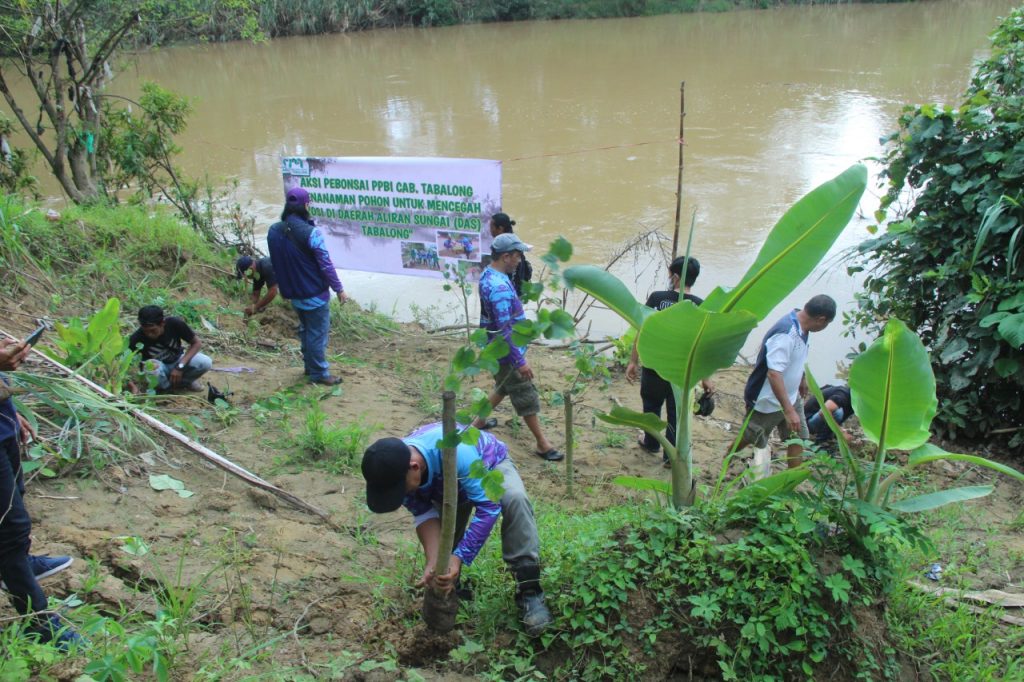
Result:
x=406 y=216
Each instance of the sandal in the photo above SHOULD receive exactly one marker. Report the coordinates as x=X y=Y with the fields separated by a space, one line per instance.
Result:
x=551 y=455
x=489 y=423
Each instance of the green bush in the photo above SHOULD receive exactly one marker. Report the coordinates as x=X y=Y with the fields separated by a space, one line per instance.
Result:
x=950 y=263
x=769 y=590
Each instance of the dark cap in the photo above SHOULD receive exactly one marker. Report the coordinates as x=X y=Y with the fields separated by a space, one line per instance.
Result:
x=297 y=196
x=241 y=265
x=503 y=222
x=385 y=465
x=151 y=314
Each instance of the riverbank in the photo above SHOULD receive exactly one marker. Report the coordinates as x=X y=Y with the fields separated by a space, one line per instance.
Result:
x=232 y=583
x=208 y=21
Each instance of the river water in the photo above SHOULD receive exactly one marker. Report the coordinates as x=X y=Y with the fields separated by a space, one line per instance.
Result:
x=585 y=117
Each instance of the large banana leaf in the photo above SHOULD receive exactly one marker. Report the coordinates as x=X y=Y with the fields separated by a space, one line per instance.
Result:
x=795 y=245
x=930 y=453
x=622 y=416
x=685 y=344
x=608 y=289
x=941 y=498
x=893 y=389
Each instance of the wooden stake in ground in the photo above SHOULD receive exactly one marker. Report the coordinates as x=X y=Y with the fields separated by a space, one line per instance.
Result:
x=440 y=609
x=679 y=177
x=570 y=443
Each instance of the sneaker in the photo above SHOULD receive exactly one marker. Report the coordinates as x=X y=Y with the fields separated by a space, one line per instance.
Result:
x=326 y=380
x=55 y=631
x=45 y=566
x=195 y=387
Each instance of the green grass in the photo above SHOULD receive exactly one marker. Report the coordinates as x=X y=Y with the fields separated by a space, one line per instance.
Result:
x=352 y=323
x=141 y=255
x=338 y=448
x=954 y=643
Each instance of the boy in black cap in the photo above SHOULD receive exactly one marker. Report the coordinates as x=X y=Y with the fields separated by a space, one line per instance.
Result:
x=262 y=275
x=502 y=224
x=408 y=472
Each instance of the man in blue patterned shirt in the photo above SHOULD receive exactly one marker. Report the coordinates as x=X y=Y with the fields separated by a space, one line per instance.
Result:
x=500 y=310
x=407 y=472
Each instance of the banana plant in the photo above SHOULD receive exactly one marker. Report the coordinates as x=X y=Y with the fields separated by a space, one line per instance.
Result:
x=686 y=343
x=892 y=388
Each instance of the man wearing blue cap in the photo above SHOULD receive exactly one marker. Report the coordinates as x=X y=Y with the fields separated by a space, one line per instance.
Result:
x=306 y=276
x=262 y=272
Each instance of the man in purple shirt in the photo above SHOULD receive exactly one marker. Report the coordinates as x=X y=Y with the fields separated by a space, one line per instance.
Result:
x=500 y=310
x=407 y=472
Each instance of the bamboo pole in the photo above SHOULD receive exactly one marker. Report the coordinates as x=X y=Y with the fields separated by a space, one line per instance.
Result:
x=679 y=178
x=201 y=450
x=570 y=443
x=449 y=507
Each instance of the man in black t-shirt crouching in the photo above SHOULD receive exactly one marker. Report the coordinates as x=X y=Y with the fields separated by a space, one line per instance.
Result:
x=160 y=342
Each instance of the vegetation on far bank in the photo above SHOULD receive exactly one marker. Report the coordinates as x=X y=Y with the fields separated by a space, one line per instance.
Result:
x=164 y=22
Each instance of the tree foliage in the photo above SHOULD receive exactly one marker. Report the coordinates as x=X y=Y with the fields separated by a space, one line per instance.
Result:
x=96 y=145
x=67 y=66
x=949 y=262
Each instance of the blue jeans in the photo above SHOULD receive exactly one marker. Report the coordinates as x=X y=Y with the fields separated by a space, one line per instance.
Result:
x=15 y=534
x=818 y=427
x=313 y=327
x=198 y=366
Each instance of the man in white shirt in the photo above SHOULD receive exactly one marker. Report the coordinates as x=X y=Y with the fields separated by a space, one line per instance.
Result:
x=775 y=390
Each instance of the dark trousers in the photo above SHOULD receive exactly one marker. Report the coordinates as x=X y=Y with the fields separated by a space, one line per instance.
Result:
x=655 y=392
x=15 y=532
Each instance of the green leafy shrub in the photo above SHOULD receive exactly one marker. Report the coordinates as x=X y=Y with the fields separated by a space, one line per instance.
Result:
x=16 y=166
x=730 y=590
x=97 y=349
x=949 y=265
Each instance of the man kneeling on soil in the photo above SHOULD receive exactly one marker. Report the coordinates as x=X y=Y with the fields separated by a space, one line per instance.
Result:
x=408 y=472
x=159 y=342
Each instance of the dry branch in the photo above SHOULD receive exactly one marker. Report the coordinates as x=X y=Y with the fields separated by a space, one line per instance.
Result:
x=199 y=449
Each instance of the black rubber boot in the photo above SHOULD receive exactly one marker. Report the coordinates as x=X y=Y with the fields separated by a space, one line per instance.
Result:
x=533 y=612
